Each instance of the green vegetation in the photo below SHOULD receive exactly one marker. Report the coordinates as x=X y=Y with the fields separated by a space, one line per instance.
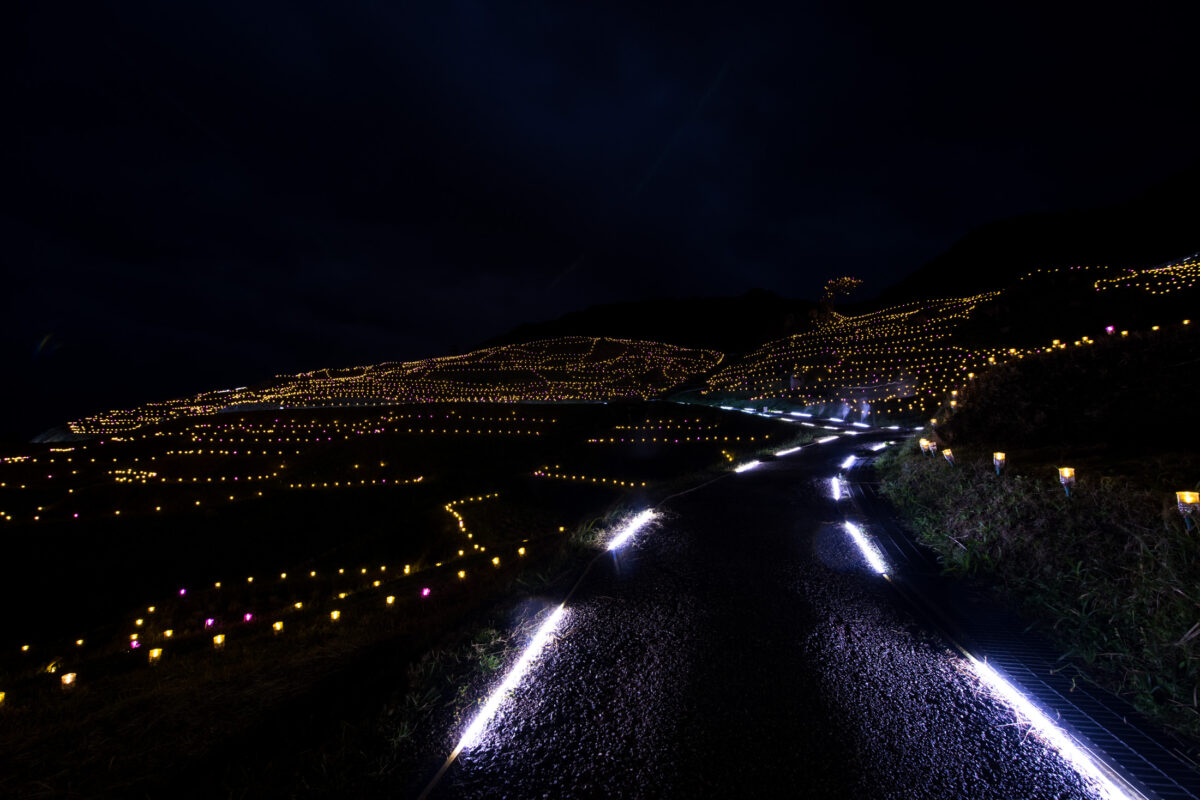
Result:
x=1110 y=572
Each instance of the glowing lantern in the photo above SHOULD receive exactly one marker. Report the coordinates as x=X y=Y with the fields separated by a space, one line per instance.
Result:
x=391 y=600
x=208 y=623
x=138 y=622
x=168 y=633
x=134 y=644
x=949 y=454
x=79 y=642
x=277 y=626
x=496 y=561
x=462 y=573
x=334 y=616
x=520 y=551
x=68 y=681
x=998 y=461
x=2 y=698
x=1189 y=505
x=155 y=655
x=247 y=617
x=1066 y=476
x=425 y=592
x=298 y=606
x=218 y=641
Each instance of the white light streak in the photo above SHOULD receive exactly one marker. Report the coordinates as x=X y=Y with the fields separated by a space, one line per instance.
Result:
x=534 y=648
x=789 y=451
x=808 y=424
x=831 y=428
x=836 y=419
x=1053 y=735
x=868 y=549
x=849 y=462
x=799 y=414
x=728 y=408
x=893 y=427
x=749 y=465
x=633 y=526
x=835 y=487
x=860 y=424
x=879 y=446
x=825 y=439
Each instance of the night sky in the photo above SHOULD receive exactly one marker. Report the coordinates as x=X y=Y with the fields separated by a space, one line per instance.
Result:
x=203 y=195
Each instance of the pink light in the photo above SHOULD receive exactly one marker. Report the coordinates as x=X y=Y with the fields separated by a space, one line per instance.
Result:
x=135 y=644
x=182 y=592
x=425 y=592
x=208 y=623
x=247 y=617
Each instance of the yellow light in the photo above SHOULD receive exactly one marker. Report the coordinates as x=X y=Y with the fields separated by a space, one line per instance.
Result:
x=68 y=680
x=520 y=551
x=155 y=655
x=406 y=569
x=462 y=573
x=150 y=610
x=391 y=599
x=299 y=606
x=168 y=633
x=217 y=584
x=219 y=641
x=277 y=626
x=138 y=622
x=2 y=698
x=496 y=561
x=283 y=576
x=335 y=615
x=79 y=642
x=342 y=595
x=1187 y=498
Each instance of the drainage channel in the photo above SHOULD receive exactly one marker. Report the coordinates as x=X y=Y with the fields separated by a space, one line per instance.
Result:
x=1111 y=730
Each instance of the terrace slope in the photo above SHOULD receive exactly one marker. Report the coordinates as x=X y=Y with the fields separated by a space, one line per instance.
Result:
x=572 y=368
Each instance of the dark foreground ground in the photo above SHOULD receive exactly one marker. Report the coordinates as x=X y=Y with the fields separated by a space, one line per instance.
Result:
x=741 y=648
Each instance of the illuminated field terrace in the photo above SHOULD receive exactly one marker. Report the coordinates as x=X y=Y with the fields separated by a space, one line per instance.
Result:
x=564 y=369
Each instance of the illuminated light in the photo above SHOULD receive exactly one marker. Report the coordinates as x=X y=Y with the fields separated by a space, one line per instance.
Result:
x=250 y=579
x=426 y=591
x=1066 y=476
x=867 y=547
x=298 y=605
x=471 y=736
x=218 y=641
x=789 y=451
x=835 y=487
x=406 y=569
x=283 y=576
x=933 y=421
x=998 y=461
x=334 y=616
x=633 y=526
x=168 y=633
x=520 y=551
x=949 y=454
x=277 y=626
x=391 y=600
x=1046 y=729
x=208 y=623
x=247 y=617
x=155 y=655
x=849 y=462
x=182 y=592
x=79 y=642
x=2 y=696
x=879 y=446
x=826 y=439
x=749 y=465
x=342 y=595
x=462 y=573
x=150 y=610
x=1189 y=505
x=860 y=424
x=217 y=584
x=496 y=561
x=376 y=584
x=138 y=622
x=68 y=680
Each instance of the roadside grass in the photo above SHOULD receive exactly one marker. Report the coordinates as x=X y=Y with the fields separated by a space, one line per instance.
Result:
x=1110 y=572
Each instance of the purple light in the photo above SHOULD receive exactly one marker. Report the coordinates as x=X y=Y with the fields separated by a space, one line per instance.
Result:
x=182 y=592
x=247 y=617
x=208 y=623
x=425 y=592
x=135 y=644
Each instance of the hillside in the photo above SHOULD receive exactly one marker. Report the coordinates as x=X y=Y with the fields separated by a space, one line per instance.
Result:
x=562 y=369
x=729 y=324
x=1161 y=224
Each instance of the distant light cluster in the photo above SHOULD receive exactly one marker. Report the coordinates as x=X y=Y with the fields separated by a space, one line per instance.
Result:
x=1172 y=277
x=573 y=368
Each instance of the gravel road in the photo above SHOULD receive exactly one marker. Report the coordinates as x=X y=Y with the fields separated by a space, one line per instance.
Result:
x=739 y=648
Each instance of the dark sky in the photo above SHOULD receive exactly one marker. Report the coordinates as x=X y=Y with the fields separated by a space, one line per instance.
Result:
x=200 y=195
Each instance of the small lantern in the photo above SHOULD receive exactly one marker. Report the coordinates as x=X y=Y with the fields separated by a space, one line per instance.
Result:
x=1189 y=505
x=218 y=641
x=932 y=448
x=496 y=561
x=1066 y=476
x=998 y=461
x=949 y=454
x=68 y=681
x=520 y=551
x=277 y=626
x=391 y=600
x=247 y=617
x=334 y=616
x=2 y=698
x=155 y=655
x=208 y=623
x=462 y=573
x=924 y=445
x=425 y=592
x=933 y=422
x=168 y=633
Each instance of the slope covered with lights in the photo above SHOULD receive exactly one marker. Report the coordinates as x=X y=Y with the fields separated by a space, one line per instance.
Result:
x=573 y=368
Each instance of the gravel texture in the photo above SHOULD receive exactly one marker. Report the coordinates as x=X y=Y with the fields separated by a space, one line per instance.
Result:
x=741 y=648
